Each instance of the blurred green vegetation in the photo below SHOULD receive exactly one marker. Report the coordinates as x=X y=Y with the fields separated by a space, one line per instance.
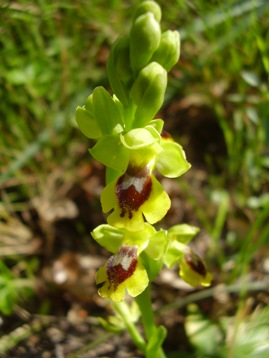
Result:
x=53 y=54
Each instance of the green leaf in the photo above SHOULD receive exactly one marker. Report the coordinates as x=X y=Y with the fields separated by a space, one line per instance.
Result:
x=106 y=112
x=110 y=152
x=203 y=334
x=8 y=292
x=155 y=342
x=172 y=160
x=7 y=298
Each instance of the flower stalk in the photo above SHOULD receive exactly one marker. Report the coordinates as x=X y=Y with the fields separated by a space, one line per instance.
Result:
x=150 y=328
x=123 y=312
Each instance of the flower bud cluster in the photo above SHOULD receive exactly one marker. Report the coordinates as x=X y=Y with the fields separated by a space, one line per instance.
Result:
x=138 y=63
x=132 y=144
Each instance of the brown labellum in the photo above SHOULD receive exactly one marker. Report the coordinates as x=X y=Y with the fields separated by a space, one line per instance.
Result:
x=133 y=189
x=195 y=263
x=122 y=265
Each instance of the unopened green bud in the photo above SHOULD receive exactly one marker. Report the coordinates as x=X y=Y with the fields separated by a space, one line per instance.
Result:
x=148 y=93
x=122 y=60
x=145 y=36
x=149 y=6
x=168 y=51
x=119 y=70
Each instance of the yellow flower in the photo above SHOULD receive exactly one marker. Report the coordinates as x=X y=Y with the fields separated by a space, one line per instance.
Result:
x=123 y=271
x=193 y=270
x=133 y=196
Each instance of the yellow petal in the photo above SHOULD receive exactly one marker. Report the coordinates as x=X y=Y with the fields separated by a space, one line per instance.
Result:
x=158 y=203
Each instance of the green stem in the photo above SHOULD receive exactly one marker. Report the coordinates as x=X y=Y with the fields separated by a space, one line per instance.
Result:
x=148 y=320
x=144 y=303
x=123 y=311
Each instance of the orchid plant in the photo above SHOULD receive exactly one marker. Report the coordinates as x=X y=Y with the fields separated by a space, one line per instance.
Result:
x=132 y=144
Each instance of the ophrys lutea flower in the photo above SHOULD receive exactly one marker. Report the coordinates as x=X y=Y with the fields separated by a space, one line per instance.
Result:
x=134 y=197
x=122 y=272
x=193 y=270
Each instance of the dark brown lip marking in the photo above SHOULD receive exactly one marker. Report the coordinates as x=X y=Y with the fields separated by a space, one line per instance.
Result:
x=195 y=263
x=121 y=265
x=133 y=189
x=166 y=135
x=100 y=285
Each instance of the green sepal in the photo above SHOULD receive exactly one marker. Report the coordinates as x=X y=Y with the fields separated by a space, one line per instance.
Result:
x=168 y=51
x=111 y=238
x=111 y=174
x=172 y=160
x=153 y=267
x=108 y=237
x=140 y=137
x=178 y=236
x=149 y=6
x=157 y=245
x=174 y=253
x=148 y=93
x=145 y=35
x=182 y=233
x=110 y=152
x=155 y=341
x=106 y=112
x=89 y=105
x=119 y=70
x=87 y=123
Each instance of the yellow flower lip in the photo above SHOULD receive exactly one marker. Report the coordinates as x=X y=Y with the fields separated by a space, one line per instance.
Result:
x=122 y=272
x=133 y=198
x=121 y=266
x=193 y=270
